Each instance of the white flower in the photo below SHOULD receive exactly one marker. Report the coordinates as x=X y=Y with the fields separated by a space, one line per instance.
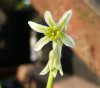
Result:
x=54 y=32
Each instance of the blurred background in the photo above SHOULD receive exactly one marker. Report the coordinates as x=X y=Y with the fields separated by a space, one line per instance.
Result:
x=20 y=65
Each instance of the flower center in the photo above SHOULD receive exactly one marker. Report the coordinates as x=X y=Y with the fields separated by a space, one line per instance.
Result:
x=55 y=33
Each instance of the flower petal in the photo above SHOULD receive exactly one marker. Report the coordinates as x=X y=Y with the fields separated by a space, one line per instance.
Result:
x=41 y=43
x=57 y=64
x=54 y=72
x=67 y=40
x=61 y=72
x=52 y=59
x=38 y=27
x=49 y=19
x=57 y=47
x=45 y=70
x=65 y=19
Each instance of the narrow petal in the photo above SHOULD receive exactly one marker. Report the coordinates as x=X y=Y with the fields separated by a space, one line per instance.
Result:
x=67 y=40
x=38 y=27
x=41 y=43
x=61 y=72
x=57 y=47
x=57 y=64
x=49 y=19
x=45 y=70
x=52 y=59
x=65 y=19
x=54 y=72
x=54 y=44
x=54 y=62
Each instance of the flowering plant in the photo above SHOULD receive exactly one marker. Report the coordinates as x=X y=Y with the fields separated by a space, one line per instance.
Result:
x=54 y=32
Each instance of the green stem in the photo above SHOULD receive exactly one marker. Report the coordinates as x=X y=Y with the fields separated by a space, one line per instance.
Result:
x=50 y=80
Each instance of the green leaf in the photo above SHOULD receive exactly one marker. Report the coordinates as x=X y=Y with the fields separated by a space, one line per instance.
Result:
x=48 y=18
x=38 y=27
x=41 y=43
x=64 y=19
x=67 y=40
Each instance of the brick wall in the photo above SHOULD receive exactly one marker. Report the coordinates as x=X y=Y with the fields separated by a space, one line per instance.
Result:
x=84 y=27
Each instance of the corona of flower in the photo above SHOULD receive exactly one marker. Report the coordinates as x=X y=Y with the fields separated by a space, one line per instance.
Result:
x=54 y=32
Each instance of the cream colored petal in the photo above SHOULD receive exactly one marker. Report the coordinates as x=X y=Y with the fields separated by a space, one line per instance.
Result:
x=38 y=27
x=41 y=43
x=54 y=72
x=67 y=40
x=57 y=47
x=48 y=18
x=57 y=64
x=61 y=72
x=65 y=19
x=54 y=44
x=52 y=59
x=45 y=70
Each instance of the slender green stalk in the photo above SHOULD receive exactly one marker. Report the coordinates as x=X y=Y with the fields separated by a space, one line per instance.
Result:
x=50 y=80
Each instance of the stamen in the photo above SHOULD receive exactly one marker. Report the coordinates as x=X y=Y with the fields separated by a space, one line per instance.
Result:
x=53 y=34
x=54 y=29
x=57 y=32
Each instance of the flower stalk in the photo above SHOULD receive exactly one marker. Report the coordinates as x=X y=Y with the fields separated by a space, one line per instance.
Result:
x=50 y=80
